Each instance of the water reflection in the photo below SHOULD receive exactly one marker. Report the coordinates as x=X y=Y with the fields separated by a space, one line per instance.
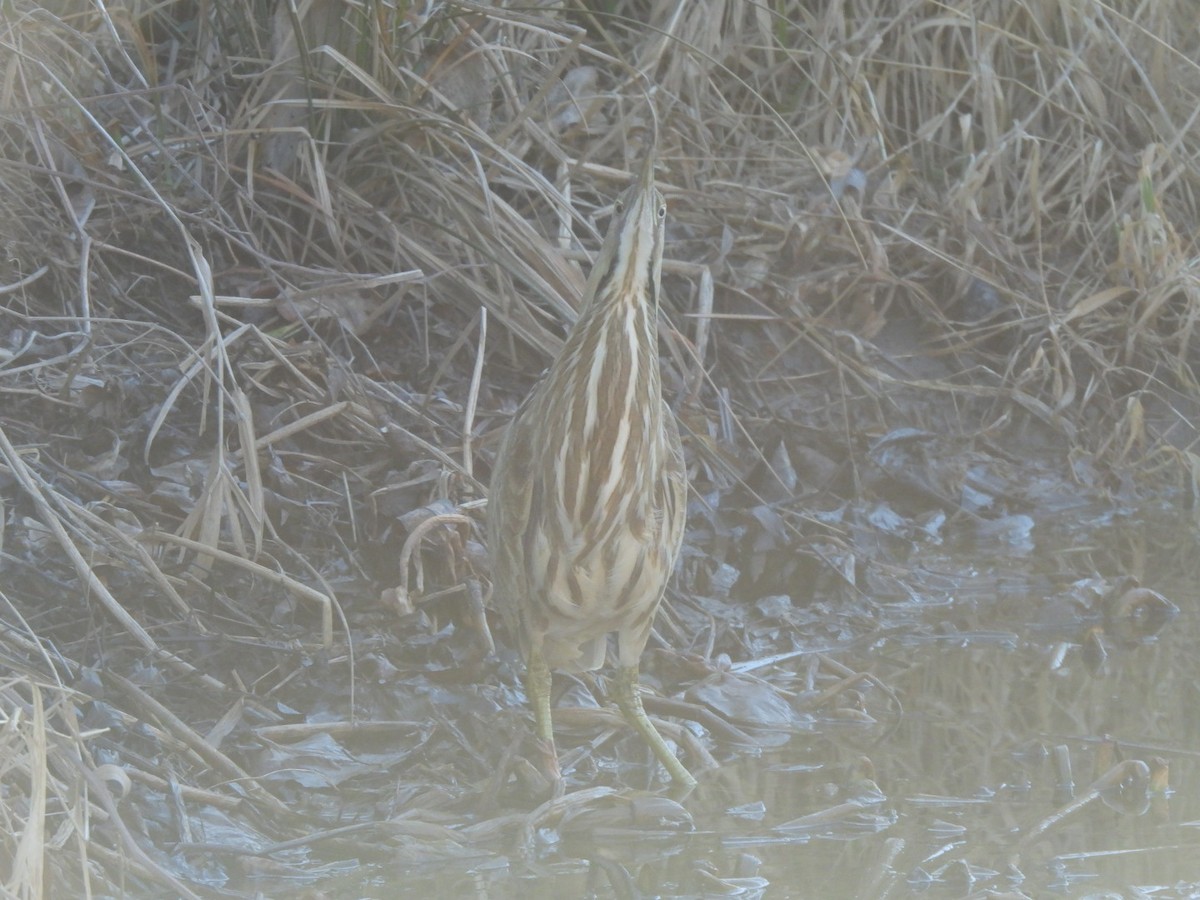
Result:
x=973 y=742
x=1018 y=764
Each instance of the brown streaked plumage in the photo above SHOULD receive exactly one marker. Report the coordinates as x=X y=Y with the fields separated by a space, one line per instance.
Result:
x=588 y=493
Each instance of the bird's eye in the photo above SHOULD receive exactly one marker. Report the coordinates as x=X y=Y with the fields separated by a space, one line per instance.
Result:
x=662 y=211
x=619 y=206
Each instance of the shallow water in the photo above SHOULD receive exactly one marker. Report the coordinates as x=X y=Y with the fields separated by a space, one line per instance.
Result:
x=1004 y=743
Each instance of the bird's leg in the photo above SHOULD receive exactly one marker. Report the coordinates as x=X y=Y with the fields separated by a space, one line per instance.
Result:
x=537 y=688
x=625 y=693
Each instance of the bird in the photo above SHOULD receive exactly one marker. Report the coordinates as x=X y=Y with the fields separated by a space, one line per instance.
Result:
x=588 y=494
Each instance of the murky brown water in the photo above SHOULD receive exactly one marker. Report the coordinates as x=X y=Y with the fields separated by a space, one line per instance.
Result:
x=973 y=764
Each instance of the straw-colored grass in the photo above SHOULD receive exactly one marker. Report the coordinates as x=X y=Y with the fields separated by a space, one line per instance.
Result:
x=272 y=280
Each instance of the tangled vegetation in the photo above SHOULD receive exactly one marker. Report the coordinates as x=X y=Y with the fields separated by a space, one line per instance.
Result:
x=275 y=276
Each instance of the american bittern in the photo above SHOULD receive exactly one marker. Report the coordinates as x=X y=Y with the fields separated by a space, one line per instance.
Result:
x=588 y=494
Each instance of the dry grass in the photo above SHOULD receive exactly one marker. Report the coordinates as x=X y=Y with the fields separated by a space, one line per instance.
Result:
x=259 y=306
